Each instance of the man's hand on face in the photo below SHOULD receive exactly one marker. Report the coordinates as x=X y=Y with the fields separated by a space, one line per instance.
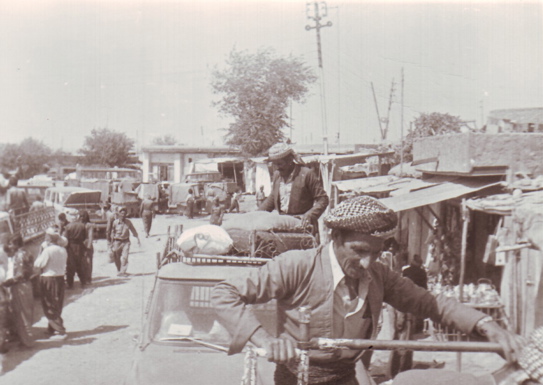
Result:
x=511 y=343
x=278 y=350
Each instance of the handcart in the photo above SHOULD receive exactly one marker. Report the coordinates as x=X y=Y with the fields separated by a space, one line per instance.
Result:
x=252 y=247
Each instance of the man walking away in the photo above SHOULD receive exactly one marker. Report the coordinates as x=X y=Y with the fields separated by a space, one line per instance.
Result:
x=147 y=212
x=76 y=233
x=120 y=238
x=260 y=196
x=52 y=264
x=16 y=199
x=234 y=205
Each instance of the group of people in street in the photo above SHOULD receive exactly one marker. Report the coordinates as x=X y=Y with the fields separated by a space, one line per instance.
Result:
x=18 y=273
x=80 y=236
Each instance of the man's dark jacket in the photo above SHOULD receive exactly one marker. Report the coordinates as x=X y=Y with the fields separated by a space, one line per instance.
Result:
x=306 y=196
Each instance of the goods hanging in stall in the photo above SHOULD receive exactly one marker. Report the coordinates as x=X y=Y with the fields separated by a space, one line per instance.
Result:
x=516 y=246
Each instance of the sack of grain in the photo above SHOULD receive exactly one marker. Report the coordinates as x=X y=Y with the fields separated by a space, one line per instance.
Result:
x=205 y=239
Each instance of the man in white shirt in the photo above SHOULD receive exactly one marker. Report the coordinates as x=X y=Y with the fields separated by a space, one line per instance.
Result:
x=52 y=264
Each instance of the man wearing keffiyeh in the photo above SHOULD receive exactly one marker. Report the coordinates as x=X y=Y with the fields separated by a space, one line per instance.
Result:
x=344 y=290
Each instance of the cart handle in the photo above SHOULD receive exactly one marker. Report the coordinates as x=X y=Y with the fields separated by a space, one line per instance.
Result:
x=357 y=344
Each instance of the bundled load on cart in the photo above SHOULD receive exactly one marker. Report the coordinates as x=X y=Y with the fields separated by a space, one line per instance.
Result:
x=253 y=237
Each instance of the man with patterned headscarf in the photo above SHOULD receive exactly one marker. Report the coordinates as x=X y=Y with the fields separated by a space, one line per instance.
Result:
x=344 y=290
x=296 y=190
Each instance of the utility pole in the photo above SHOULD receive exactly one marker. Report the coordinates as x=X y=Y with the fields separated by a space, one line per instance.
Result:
x=386 y=120
x=401 y=130
x=377 y=109
x=482 y=113
x=317 y=16
x=391 y=96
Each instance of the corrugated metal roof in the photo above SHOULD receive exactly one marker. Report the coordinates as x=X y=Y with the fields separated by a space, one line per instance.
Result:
x=361 y=184
x=380 y=184
x=434 y=194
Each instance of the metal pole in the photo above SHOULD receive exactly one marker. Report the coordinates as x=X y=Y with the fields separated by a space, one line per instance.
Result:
x=358 y=344
x=401 y=133
x=465 y=222
x=317 y=17
x=304 y=316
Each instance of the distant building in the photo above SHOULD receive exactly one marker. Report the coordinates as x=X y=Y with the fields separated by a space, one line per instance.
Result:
x=171 y=163
x=515 y=120
x=480 y=154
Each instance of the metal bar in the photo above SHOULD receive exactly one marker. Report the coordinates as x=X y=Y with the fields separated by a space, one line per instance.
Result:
x=518 y=246
x=418 y=211
x=357 y=344
x=304 y=317
x=231 y=258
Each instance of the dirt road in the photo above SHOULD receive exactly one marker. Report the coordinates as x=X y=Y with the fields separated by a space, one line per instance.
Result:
x=101 y=320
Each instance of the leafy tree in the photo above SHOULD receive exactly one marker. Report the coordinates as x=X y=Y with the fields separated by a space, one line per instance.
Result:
x=431 y=124
x=256 y=89
x=166 y=140
x=31 y=157
x=107 y=147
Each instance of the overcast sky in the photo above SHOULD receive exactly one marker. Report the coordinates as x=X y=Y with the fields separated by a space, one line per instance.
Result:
x=143 y=66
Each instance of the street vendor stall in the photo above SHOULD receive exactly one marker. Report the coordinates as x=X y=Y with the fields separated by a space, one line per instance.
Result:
x=514 y=246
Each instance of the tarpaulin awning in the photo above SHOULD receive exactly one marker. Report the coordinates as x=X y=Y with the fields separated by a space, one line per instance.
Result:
x=434 y=194
x=505 y=204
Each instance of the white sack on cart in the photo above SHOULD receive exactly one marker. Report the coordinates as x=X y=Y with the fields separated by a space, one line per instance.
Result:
x=262 y=221
x=205 y=239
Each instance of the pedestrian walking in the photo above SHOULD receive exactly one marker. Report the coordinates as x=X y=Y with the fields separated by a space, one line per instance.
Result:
x=260 y=196
x=76 y=234
x=19 y=287
x=16 y=199
x=52 y=265
x=111 y=214
x=189 y=212
x=234 y=205
x=217 y=212
x=89 y=247
x=147 y=213
x=120 y=241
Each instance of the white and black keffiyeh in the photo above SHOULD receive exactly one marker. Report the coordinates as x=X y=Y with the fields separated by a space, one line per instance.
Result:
x=531 y=357
x=363 y=214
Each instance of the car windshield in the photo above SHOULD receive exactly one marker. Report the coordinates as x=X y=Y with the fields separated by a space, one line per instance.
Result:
x=182 y=311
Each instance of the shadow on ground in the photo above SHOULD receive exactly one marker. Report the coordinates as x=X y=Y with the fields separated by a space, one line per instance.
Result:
x=18 y=354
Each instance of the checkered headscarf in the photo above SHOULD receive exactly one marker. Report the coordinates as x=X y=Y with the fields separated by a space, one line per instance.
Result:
x=531 y=357
x=363 y=214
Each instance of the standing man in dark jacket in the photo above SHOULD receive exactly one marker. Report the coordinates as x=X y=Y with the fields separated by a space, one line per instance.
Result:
x=296 y=190
x=76 y=233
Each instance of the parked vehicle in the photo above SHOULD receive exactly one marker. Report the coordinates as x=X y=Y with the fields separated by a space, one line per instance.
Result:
x=182 y=340
x=177 y=196
x=223 y=190
x=70 y=200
